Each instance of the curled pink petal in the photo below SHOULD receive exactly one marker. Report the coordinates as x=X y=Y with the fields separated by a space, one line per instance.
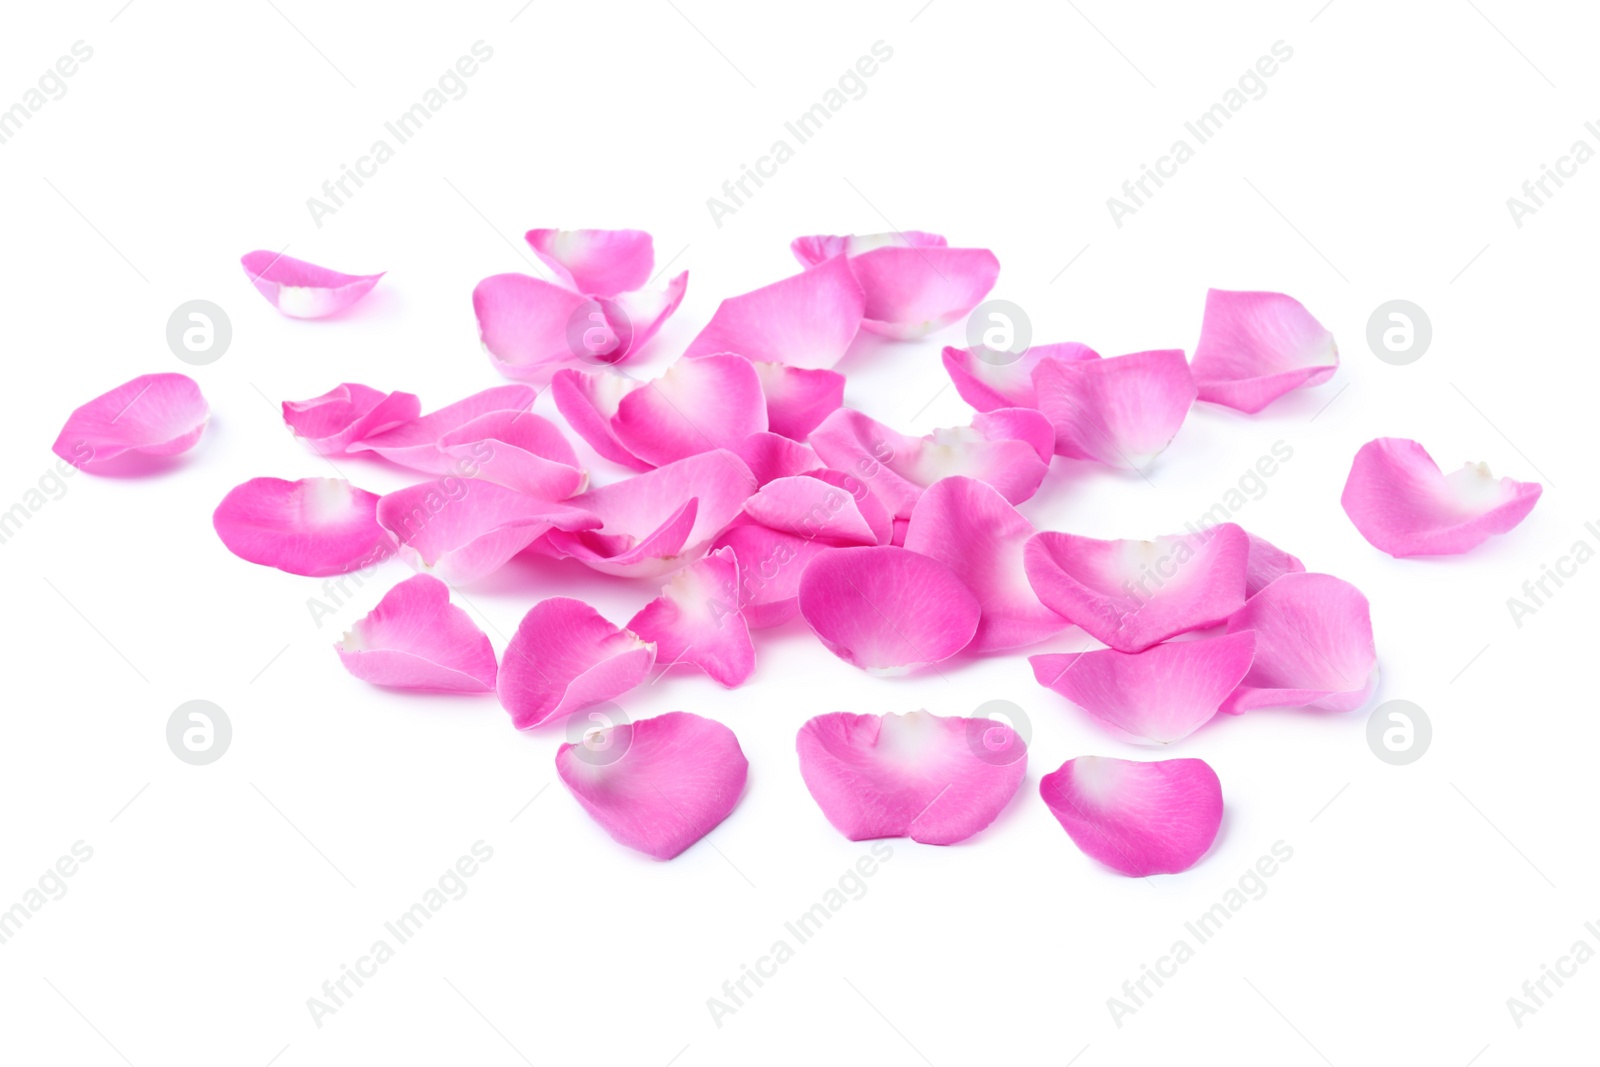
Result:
x=807 y=320
x=1131 y=594
x=887 y=610
x=598 y=262
x=697 y=405
x=1137 y=818
x=815 y=508
x=797 y=398
x=415 y=444
x=814 y=251
x=637 y=316
x=1401 y=502
x=531 y=327
x=676 y=778
x=1265 y=564
x=565 y=657
x=315 y=526
x=696 y=620
x=416 y=639
x=304 y=290
x=933 y=779
x=1157 y=696
x=989 y=379
x=519 y=450
x=912 y=292
x=1314 y=646
x=589 y=402
x=968 y=526
x=769 y=456
x=462 y=529
x=1121 y=411
x=155 y=414
x=771 y=564
x=347 y=413
x=1255 y=347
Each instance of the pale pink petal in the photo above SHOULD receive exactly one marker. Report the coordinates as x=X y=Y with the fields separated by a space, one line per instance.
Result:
x=599 y=262
x=989 y=379
x=636 y=317
x=1314 y=646
x=1131 y=594
x=155 y=414
x=677 y=778
x=1265 y=564
x=696 y=620
x=415 y=444
x=1017 y=424
x=798 y=399
x=315 y=526
x=589 y=400
x=887 y=610
x=1137 y=818
x=933 y=779
x=1121 y=411
x=416 y=639
x=771 y=564
x=912 y=292
x=968 y=526
x=531 y=327
x=696 y=406
x=1254 y=347
x=807 y=320
x=462 y=529
x=769 y=456
x=818 y=509
x=565 y=657
x=304 y=290
x=1157 y=696
x=1401 y=502
x=812 y=251
x=519 y=450
x=349 y=412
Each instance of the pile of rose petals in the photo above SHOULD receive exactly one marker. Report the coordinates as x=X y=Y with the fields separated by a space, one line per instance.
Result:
x=752 y=495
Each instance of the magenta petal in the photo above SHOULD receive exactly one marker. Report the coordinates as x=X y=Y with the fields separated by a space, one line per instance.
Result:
x=636 y=317
x=1131 y=594
x=530 y=327
x=807 y=320
x=1157 y=696
x=416 y=639
x=462 y=529
x=696 y=406
x=817 y=509
x=887 y=610
x=1121 y=411
x=989 y=380
x=677 y=778
x=911 y=292
x=1254 y=347
x=304 y=290
x=771 y=564
x=349 y=412
x=1265 y=564
x=519 y=450
x=770 y=456
x=798 y=399
x=1401 y=502
x=415 y=444
x=933 y=779
x=156 y=414
x=968 y=526
x=814 y=251
x=589 y=400
x=696 y=620
x=565 y=657
x=1137 y=818
x=599 y=262
x=1314 y=646
x=315 y=526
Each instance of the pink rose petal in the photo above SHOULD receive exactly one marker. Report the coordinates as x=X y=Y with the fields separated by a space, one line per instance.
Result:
x=519 y=450
x=989 y=379
x=677 y=778
x=565 y=657
x=807 y=320
x=770 y=456
x=933 y=779
x=416 y=639
x=1265 y=564
x=304 y=290
x=1314 y=646
x=912 y=292
x=347 y=413
x=315 y=526
x=1157 y=696
x=415 y=444
x=1255 y=347
x=463 y=529
x=887 y=610
x=155 y=414
x=1401 y=502
x=798 y=399
x=589 y=402
x=697 y=405
x=771 y=564
x=597 y=262
x=814 y=251
x=696 y=620
x=531 y=327
x=1138 y=819
x=1121 y=411
x=1131 y=594
x=814 y=507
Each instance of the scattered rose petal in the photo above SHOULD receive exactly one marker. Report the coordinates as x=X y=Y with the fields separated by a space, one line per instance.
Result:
x=519 y=450
x=678 y=777
x=589 y=403
x=933 y=779
x=696 y=620
x=1137 y=818
x=913 y=285
x=816 y=507
x=415 y=444
x=771 y=563
x=807 y=320
x=416 y=639
x=1121 y=411
x=531 y=327
x=817 y=250
x=1314 y=646
x=1255 y=347
x=885 y=609
x=989 y=379
x=797 y=398
x=347 y=413
x=769 y=456
x=597 y=262
x=1401 y=502
x=156 y=414
x=565 y=657
x=304 y=290
x=695 y=406
x=463 y=529
x=315 y=526
x=1157 y=696
x=1265 y=564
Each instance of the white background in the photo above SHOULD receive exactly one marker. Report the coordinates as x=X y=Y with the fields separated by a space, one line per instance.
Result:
x=220 y=898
